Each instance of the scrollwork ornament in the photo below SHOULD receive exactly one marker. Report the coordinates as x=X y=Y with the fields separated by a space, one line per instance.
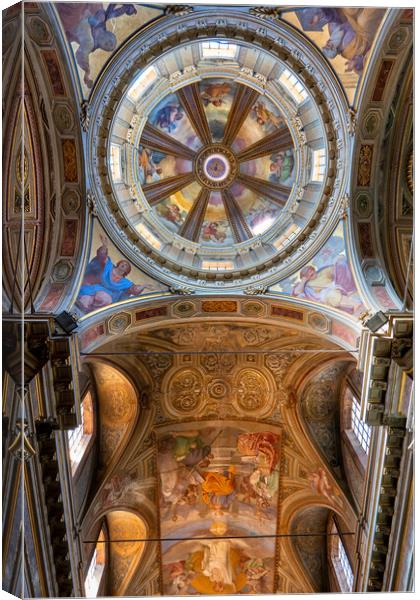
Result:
x=254 y=290
x=269 y=13
x=85 y=115
x=91 y=203
x=178 y=10
x=352 y=121
x=181 y=291
x=252 y=391
x=345 y=205
x=185 y=392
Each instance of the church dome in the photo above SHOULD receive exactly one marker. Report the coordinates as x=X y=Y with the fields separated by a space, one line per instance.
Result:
x=218 y=163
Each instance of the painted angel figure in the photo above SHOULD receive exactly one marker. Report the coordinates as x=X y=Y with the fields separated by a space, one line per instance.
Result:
x=86 y=24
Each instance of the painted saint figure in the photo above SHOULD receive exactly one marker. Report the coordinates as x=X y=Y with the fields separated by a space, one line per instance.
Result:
x=105 y=283
x=351 y=29
x=219 y=489
x=333 y=285
x=149 y=171
x=168 y=116
x=281 y=166
x=266 y=117
x=214 y=232
x=217 y=565
x=86 y=24
x=260 y=449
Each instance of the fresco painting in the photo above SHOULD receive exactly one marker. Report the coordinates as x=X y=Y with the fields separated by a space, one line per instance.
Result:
x=321 y=484
x=217 y=484
x=277 y=168
x=327 y=279
x=154 y=166
x=172 y=213
x=282 y=167
x=217 y=97
x=216 y=228
x=261 y=214
x=263 y=118
x=174 y=210
x=109 y=277
x=94 y=31
x=170 y=118
x=345 y=36
x=219 y=567
x=217 y=473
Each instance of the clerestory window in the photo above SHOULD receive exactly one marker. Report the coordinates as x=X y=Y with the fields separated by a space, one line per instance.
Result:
x=361 y=429
x=96 y=568
x=80 y=436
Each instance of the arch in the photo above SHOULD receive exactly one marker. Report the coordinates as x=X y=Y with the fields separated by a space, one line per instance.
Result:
x=118 y=411
x=312 y=550
x=124 y=557
x=53 y=196
x=141 y=313
x=372 y=168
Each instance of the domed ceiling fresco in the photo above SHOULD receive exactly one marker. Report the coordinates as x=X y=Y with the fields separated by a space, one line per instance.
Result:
x=219 y=165
x=240 y=146
x=216 y=161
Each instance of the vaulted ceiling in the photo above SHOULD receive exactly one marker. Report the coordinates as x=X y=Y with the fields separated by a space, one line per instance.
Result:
x=227 y=452
x=201 y=225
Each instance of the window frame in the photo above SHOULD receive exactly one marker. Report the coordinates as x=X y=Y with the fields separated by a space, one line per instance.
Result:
x=218 y=48
x=96 y=568
x=361 y=430
x=78 y=436
x=339 y=560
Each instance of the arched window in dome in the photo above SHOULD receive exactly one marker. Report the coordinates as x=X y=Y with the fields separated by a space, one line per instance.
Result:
x=96 y=568
x=80 y=437
x=318 y=164
x=115 y=162
x=141 y=83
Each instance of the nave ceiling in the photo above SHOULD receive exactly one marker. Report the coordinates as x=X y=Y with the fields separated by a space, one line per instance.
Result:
x=220 y=452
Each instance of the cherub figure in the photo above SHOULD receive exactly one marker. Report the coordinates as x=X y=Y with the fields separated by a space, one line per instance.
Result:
x=214 y=93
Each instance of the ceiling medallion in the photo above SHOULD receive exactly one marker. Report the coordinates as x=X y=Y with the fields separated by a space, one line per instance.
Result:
x=216 y=167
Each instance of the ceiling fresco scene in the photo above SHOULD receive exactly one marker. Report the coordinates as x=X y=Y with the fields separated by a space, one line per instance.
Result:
x=226 y=486
x=327 y=279
x=208 y=232
x=110 y=278
x=94 y=30
x=345 y=36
